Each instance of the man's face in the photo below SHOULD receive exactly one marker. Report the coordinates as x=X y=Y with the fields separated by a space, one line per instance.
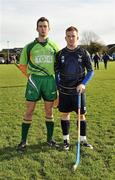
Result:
x=71 y=38
x=43 y=28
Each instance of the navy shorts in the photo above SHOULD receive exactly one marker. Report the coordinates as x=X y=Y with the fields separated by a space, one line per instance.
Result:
x=69 y=103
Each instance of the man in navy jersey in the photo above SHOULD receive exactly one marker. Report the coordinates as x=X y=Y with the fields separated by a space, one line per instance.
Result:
x=70 y=66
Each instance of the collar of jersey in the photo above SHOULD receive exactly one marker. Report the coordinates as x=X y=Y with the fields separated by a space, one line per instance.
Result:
x=72 y=50
x=42 y=43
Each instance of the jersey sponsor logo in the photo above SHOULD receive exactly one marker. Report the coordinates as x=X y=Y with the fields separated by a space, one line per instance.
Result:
x=79 y=58
x=43 y=59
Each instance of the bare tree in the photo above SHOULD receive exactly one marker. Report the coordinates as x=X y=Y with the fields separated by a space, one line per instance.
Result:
x=88 y=37
x=91 y=42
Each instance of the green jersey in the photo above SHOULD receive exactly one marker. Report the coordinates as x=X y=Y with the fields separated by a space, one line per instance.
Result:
x=39 y=57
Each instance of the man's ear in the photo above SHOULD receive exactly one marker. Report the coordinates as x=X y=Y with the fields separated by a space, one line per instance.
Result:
x=77 y=38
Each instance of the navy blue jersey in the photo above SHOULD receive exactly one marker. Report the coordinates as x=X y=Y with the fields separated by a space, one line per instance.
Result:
x=71 y=67
x=105 y=57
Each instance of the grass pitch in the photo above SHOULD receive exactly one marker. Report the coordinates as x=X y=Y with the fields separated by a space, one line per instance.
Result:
x=41 y=162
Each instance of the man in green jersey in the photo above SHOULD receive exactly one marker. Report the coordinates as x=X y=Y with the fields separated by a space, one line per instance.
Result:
x=37 y=62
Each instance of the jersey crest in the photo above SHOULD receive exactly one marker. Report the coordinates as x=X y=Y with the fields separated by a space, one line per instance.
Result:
x=79 y=58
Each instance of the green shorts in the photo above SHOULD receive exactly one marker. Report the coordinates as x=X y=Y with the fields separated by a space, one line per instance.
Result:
x=41 y=87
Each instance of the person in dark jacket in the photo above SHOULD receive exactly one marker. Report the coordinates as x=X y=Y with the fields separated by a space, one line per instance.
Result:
x=96 y=60
x=105 y=59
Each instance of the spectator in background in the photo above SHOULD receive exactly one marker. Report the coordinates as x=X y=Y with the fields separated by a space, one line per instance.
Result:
x=96 y=59
x=105 y=59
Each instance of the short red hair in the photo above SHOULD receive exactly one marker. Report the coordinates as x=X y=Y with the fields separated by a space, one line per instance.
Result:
x=71 y=28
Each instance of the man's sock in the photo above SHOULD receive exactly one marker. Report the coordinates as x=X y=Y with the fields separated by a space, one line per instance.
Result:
x=50 y=129
x=65 y=125
x=83 y=130
x=25 y=128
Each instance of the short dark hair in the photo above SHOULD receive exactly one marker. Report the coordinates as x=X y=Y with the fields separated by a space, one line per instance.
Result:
x=42 y=19
x=71 y=28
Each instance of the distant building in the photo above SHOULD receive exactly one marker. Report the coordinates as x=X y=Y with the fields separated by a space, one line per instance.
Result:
x=9 y=54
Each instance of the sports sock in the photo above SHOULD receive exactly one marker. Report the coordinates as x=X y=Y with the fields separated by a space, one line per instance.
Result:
x=25 y=127
x=50 y=129
x=65 y=125
x=83 y=130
